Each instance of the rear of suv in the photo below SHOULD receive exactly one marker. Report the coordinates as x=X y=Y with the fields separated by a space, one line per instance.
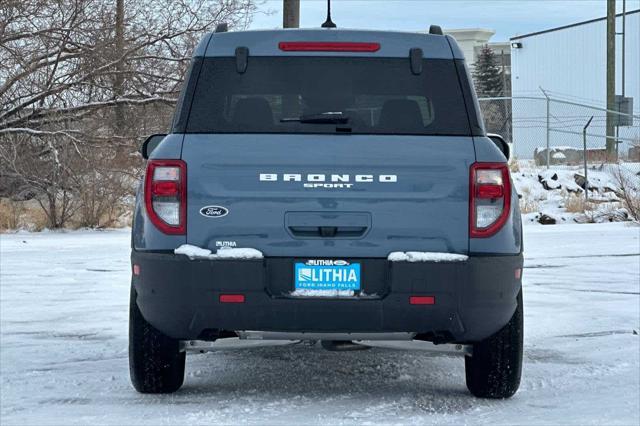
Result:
x=330 y=185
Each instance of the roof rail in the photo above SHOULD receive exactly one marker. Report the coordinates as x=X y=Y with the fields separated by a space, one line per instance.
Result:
x=435 y=29
x=222 y=27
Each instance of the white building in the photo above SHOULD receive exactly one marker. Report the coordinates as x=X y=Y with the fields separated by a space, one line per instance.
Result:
x=471 y=41
x=569 y=63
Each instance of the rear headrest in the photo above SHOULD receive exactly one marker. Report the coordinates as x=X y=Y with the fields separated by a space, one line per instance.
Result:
x=401 y=113
x=253 y=112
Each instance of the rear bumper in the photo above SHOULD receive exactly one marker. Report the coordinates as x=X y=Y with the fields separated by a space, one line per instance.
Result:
x=473 y=299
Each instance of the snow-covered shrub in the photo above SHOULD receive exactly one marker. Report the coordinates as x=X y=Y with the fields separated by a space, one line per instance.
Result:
x=629 y=189
x=10 y=212
x=576 y=203
x=514 y=164
x=528 y=204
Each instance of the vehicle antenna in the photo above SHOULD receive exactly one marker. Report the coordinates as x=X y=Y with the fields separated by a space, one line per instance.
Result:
x=328 y=23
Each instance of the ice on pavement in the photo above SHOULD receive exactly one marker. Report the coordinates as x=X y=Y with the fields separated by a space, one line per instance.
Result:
x=223 y=253
x=63 y=358
x=423 y=256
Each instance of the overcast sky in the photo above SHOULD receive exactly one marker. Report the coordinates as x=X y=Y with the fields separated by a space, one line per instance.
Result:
x=507 y=17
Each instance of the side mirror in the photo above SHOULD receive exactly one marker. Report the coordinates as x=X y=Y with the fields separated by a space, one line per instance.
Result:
x=150 y=144
x=502 y=145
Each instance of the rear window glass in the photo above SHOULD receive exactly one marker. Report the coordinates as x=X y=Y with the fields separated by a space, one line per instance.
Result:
x=328 y=95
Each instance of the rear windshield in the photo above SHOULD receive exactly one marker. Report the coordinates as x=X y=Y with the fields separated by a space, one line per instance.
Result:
x=328 y=95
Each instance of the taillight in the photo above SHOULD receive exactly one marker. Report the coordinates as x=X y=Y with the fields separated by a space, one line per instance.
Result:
x=165 y=195
x=490 y=198
x=327 y=46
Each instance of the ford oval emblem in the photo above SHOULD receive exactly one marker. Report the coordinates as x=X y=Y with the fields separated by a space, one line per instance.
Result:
x=214 y=211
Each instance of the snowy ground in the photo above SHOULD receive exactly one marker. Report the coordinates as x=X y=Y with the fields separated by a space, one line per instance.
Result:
x=556 y=194
x=63 y=355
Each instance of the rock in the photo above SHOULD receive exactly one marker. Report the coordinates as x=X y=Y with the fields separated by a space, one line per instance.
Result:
x=546 y=220
x=616 y=193
x=548 y=186
x=580 y=180
x=549 y=181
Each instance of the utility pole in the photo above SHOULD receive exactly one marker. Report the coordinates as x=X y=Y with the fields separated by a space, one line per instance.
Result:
x=624 y=68
x=624 y=36
x=290 y=13
x=611 y=79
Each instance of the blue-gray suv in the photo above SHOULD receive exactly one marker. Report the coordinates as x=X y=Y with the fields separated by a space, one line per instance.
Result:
x=328 y=185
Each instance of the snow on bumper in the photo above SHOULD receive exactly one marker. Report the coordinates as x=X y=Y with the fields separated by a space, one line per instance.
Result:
x=225 y=253
x=422 y=256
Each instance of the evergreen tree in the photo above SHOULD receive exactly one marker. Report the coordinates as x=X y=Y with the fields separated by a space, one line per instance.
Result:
x=487 y=75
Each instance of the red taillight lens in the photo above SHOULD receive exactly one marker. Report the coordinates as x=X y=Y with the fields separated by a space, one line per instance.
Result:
x=231 y=298
x=326 y=46
x=165 y=195
x=489 y=191
x=490 y=198
x=422 y=300
x=165 y=189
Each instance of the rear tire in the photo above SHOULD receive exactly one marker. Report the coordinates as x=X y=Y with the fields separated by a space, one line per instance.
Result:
x=156 y=364
x=495 y=368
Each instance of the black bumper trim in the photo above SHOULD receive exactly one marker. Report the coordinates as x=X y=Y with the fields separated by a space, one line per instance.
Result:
x=180 y=297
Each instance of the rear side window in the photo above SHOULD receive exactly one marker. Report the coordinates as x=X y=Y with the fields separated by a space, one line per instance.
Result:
x=328 y=95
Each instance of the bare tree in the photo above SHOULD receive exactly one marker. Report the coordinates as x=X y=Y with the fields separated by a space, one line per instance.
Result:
x=82 y=81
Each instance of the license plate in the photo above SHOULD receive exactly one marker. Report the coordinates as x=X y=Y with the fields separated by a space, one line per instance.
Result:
x=320 y=274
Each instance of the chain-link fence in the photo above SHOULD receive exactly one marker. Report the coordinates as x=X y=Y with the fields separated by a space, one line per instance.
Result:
x=555 y=132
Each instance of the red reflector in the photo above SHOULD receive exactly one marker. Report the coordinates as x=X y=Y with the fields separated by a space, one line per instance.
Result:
x=325 y=46
x=490 y=191
x=136 y=269
x=164 y=188
x=422 y=300
x=518 y=273
x=232 y=298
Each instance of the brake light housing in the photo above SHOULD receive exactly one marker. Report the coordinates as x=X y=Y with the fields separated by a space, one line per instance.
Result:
x=489 y=198
x=165 y=195
x=327 y=46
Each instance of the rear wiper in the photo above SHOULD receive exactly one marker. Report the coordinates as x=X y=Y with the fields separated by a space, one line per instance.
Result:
x=323 y=118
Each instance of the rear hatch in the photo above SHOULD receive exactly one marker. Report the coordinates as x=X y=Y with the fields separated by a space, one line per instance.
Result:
x=328 y=157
